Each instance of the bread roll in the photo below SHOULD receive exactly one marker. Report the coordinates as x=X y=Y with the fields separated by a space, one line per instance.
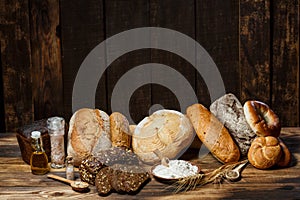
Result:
x=229 y=111
x=213 y=134
x=168 y=131
x=286 y=156
x=88 y=134
x=262 y=120
x=119 y=130
x=264 y=152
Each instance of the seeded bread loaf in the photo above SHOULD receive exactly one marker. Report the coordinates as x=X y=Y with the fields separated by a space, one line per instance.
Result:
x=92 y=164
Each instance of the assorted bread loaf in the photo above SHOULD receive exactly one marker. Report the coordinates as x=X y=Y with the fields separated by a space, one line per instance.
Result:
x=168 y=131
x=213 y=134
x=89 y=133
x=230 y=112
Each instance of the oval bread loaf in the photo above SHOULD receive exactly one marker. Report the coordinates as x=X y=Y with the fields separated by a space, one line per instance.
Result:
x=213 y=134
x=168 y=131
x=119 y=130
x=229 y=111
x=89 y=133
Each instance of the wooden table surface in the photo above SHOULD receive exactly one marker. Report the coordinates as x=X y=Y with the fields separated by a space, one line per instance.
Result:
x=17 y=181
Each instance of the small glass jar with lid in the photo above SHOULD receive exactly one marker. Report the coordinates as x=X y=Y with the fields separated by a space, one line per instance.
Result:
x=56 y=130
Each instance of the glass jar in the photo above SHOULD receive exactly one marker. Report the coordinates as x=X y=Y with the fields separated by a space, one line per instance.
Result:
x=70 y=168
x=38 y=159
x=56 y=130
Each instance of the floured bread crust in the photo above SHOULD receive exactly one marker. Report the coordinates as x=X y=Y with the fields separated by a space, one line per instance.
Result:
x=88 y=134
x=168 y=131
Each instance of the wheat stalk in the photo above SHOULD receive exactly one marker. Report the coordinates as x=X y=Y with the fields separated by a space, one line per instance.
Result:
x=216 y=176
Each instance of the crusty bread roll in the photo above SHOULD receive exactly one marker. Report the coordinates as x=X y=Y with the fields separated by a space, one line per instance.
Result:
x=262 y=120
x=286 y=156
x=264 y=152
x=229 y=111
x=89 y=133
x=168 y=131
x=119 y=130
x=213 y=134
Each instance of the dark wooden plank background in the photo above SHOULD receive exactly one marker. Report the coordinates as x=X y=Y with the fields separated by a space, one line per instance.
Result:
x=255 y=45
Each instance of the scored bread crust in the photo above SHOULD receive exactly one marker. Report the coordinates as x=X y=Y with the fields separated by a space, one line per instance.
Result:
x=168 y=131
x=262 y=120
x=213 y=134
x=88 y=134
x=264 y=152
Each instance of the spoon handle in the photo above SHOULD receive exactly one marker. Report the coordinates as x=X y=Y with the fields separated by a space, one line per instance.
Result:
x=59 y=178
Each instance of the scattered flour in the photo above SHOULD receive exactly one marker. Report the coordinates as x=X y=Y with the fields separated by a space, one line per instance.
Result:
x=176 y=169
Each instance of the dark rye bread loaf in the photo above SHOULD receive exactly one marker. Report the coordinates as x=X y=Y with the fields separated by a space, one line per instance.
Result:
x=92 y=164
x=121 y=178
x=230 y=112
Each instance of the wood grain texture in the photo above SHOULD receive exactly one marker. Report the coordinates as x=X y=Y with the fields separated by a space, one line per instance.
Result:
x=47 y=83
x=121 y=16
x=17 y=182
x=82 y=28
x=285 y=61
x=255 y=44
x=178 y=16
x=16 y=63
x=217 y=31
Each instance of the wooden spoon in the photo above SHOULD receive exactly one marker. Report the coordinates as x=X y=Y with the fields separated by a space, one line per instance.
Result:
x=78 y=186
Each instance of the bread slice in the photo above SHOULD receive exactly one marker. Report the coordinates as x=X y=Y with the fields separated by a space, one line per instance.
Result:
x=168 y=131
x=213 y=134
x=88 y=134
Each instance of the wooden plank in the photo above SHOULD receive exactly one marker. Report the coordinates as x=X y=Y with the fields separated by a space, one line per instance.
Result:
x=255 y=50
x=217 y=31
x=82 y=28
x=47 y=83
x=285 y=58
x=16 y=63
x=178 y=16
x=121 y=16
x=2 y=114
x=16 y=181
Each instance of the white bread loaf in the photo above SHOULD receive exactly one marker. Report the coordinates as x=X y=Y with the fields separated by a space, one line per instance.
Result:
x=89 y=133
x=168 y=131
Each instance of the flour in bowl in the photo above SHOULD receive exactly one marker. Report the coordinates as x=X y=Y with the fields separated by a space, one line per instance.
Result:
x=176 y=169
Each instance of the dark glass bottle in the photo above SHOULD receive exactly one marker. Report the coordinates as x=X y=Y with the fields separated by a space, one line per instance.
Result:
x=39 y=159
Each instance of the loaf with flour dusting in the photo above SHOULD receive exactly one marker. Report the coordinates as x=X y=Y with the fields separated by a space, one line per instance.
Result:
x=230 y=112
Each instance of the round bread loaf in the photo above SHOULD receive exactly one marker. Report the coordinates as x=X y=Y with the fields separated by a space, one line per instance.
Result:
x=229 y=111
x=264 y=152
x=168 y=131
x=89 y=133
x=262 y=120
